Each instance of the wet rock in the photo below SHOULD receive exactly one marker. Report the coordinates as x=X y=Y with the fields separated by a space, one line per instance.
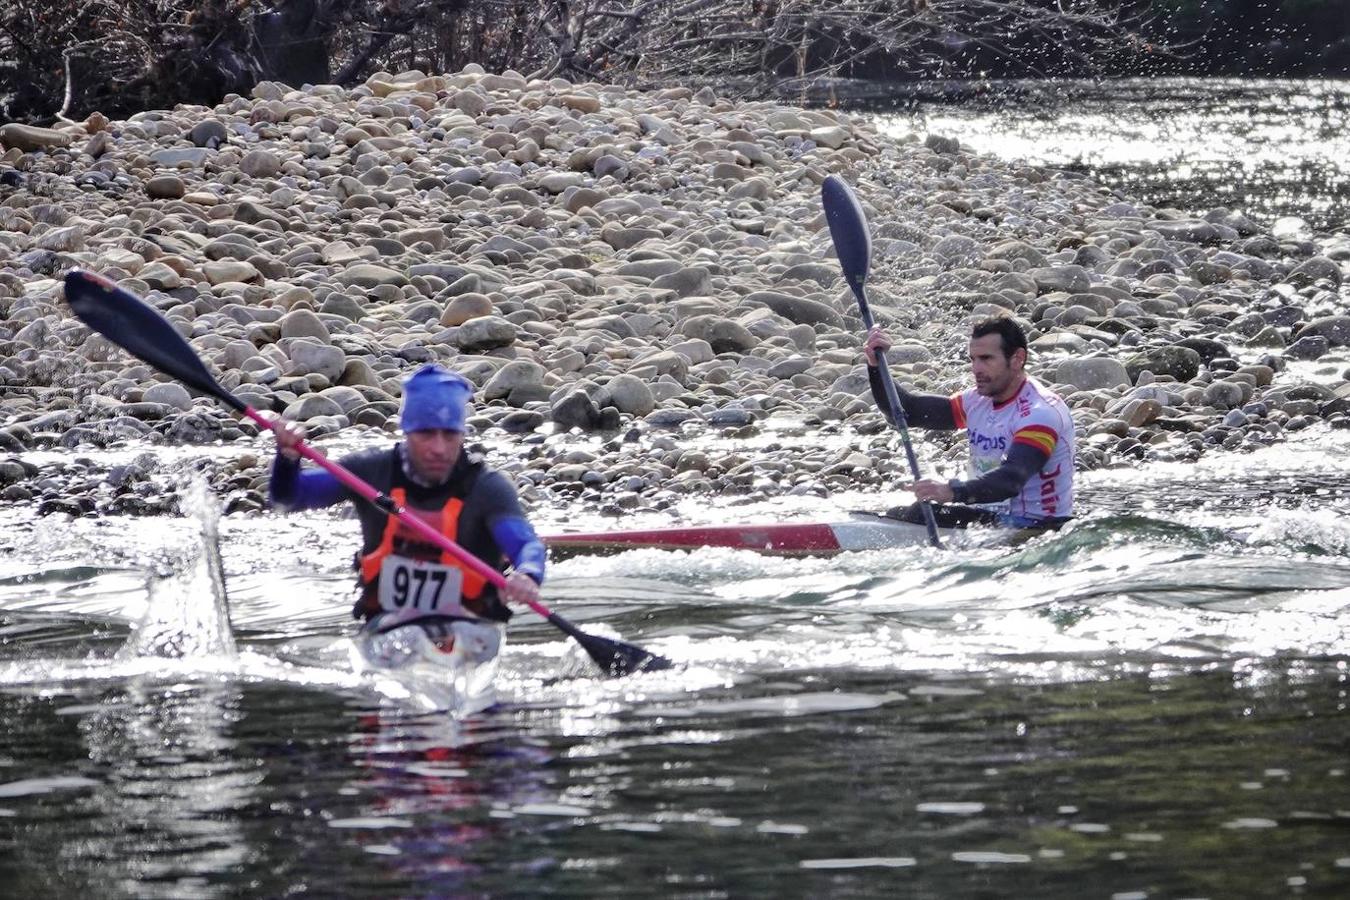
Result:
x=1206 y=348
x=1092 y=374
x=575 y=410
x=521 y=421
x=168 y=394
x=1223 y=395
x=1181 y=363
x=629 y=395
x=1318 y=268
x=722 y=334
x=485 y=333
x=30 y=138
x=1313 y=346
x=730 y=417
x=798 y=310
x=1336 y=330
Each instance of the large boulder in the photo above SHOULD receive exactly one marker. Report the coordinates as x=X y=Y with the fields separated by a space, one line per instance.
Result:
x=517 y=373
x=723 y=335
x=575 y=410
x=1336 y=329
x=1094 y=373
x=309 y=356
x=303 y=323
x=629 y=394
x=1318 y=268
x=1182 y=363
x=485 y=333
x=798 y=310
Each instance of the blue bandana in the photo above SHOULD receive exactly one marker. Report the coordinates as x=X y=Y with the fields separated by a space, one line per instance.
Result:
x=434 y=398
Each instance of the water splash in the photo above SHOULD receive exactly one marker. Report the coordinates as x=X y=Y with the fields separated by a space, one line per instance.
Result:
x=187 y=612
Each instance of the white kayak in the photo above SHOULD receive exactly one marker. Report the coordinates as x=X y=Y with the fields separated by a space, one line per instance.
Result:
x=452 y=660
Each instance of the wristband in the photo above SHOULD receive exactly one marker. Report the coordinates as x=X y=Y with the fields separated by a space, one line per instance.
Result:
x=959 y=493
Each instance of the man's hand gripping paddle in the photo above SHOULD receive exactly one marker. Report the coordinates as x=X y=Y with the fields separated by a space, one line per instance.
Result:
x=853 y=246
x=129 y=322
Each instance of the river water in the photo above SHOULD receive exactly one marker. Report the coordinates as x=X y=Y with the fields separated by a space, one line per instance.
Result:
x=1150 y=703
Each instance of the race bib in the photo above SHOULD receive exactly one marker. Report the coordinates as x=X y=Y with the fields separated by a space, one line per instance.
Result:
x=414 y=587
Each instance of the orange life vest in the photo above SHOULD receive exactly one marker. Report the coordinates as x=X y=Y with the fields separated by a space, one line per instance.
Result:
x=402 y=540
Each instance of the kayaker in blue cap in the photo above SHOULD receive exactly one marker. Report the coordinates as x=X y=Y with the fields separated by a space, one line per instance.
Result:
x=430 y=475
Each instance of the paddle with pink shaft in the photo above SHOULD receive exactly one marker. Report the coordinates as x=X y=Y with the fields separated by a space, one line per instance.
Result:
x=132 y=324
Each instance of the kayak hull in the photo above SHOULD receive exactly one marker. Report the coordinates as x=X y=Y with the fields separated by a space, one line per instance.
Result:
x=861 y=531
x=447 y=663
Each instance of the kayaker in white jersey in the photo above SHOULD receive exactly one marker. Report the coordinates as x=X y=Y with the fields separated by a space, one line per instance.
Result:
x=1021 y=436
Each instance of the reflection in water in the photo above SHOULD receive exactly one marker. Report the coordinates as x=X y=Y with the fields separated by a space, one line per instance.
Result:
x=174 y=777
x=436 y=793
x=164 y=789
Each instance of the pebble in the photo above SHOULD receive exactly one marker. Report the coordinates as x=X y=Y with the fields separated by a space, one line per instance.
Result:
x=601 y=259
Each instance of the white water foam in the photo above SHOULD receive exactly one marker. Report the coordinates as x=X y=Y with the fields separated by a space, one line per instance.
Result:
x=187 y=613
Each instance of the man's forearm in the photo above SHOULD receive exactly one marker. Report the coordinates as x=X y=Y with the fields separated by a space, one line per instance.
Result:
x=289 y=488
x=1005 y=481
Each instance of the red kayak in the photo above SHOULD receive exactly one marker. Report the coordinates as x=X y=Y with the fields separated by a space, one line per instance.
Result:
x=862 y=531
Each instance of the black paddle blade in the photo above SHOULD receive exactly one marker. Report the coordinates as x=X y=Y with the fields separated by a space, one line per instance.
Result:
x=615 y=658
x=848 y=229
x=136 y=327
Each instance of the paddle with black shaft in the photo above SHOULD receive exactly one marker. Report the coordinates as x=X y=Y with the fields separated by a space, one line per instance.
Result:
x=853 y=246
x=129 y=322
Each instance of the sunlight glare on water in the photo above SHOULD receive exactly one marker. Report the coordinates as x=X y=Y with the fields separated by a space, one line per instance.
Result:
x=1271 y=148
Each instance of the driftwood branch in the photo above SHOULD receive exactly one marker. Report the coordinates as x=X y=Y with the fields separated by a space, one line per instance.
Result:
x=198 y=50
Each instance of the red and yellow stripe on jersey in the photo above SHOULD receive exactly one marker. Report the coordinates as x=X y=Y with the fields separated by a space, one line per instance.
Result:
x=1037 y=436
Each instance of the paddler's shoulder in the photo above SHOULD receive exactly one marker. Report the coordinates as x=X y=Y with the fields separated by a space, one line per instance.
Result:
x=1037 y=389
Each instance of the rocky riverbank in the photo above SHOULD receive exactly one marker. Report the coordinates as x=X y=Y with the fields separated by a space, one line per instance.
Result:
x=652 y=267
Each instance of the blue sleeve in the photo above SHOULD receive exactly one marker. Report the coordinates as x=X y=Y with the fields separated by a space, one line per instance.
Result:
x=291 y=488
x=517 y=540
